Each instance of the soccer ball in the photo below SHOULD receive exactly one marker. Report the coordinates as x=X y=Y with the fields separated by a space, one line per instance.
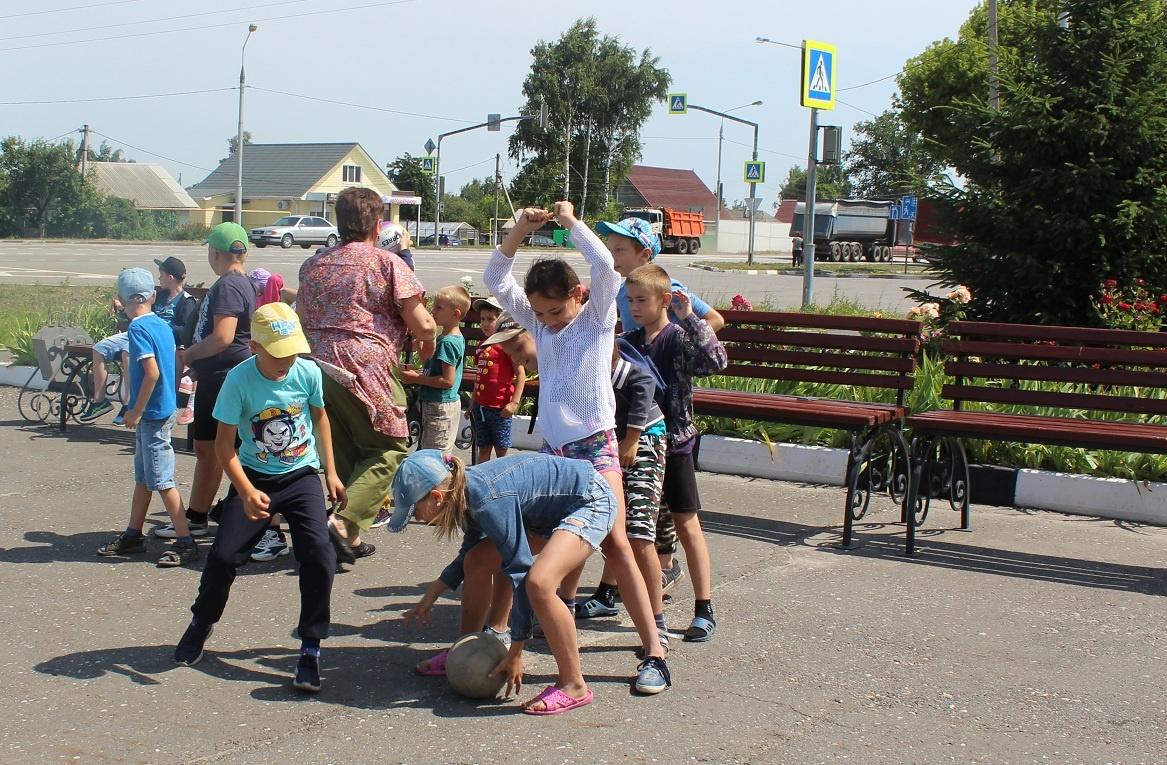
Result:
x=391 y=237
x=470 y=660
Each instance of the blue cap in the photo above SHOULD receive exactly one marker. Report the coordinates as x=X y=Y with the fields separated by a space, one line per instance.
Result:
x=633 y=228
x=420 y=473
x=135 y=285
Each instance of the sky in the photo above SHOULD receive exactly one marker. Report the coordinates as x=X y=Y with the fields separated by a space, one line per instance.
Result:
x=430 y=66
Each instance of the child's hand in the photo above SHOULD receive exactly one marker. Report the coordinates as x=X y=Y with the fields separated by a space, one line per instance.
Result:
x=420 y=616
x=337 y=494
x=565 y=214
x=255 y=505
x=410 y=375
x=628 y=451
x=116 y=304
x=425 y=348
x=532 y=219
x=510 y=409
x=511 y=668
x=132 y=419
x=681 y=305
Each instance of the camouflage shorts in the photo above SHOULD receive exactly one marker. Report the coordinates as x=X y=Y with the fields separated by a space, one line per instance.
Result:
x=643 y=482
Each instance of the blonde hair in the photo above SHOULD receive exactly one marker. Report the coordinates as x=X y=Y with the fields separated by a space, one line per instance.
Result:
x=456 y=296
x=651 y=277
x=452 y=516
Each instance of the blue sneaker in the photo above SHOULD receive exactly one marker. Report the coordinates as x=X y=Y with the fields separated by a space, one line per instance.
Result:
x=95 y=410
x=653 y=676
x=119 y=419
x=307 y=674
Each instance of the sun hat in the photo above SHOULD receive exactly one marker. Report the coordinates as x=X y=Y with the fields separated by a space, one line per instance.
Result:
x=135 y=285
x=276 y=327
x=633 y=228
x=420 y=473
x=172 y=266
x=487 y=302
x=228 y=237
x=506 y=328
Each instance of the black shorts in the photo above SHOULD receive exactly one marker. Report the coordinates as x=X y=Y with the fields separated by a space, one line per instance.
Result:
x=204 y=427
x=680 y=490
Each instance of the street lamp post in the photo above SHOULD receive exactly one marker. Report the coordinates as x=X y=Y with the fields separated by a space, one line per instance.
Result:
x=720 y=138
x=239 y=134
x=753 y=186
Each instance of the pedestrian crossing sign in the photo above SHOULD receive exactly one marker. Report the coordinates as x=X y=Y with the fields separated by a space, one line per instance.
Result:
x=818 y=74
x=755 y=172
x=678 y=103
x=427 y=165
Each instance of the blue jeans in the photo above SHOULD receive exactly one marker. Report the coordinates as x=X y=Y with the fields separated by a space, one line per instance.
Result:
x=112 y=347
x=153 y=454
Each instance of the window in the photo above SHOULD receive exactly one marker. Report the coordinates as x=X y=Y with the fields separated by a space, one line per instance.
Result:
x=351 y=173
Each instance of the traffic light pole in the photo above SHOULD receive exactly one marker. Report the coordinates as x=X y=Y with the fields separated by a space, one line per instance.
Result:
x=753 y=186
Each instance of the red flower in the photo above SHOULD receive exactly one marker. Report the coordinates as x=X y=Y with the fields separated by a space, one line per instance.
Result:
x=1111 y=282
x=1140 y=281
x=1124 y=306
x=1108 y=299
x=1163 y=299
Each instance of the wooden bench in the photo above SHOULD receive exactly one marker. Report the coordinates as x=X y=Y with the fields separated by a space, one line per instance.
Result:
x=876 y=354
x=1019 y=366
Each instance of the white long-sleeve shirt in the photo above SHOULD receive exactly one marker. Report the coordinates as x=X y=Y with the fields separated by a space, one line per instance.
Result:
x=575 y=363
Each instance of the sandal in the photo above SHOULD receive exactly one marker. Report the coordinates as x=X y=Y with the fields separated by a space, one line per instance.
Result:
x=663 y=636
x=593 y=608
x=177 y=555
x=700 y=630
x=556 y=702
x=436 y=667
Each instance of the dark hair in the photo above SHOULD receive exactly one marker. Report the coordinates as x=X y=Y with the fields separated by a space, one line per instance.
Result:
x=552 y=278
x=358 y=214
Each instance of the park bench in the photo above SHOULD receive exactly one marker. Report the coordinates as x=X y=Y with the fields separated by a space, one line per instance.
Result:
x=1058 y=383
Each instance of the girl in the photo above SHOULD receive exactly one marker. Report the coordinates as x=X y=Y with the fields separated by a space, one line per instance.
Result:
x=499 y=503
x=577 y=408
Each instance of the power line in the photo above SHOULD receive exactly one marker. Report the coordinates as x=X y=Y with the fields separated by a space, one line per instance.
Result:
x=209 y=26
x=147 y=151
x=115 y=98
x=360 y=106
x=467 y=167
x=856 y=108
x=864 y=85
x=62 y=10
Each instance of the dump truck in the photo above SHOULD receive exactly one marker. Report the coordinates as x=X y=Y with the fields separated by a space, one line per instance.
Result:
x=680 y=231
x=851 y=229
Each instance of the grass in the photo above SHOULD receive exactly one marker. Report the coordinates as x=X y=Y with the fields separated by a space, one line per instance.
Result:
x=25 y=309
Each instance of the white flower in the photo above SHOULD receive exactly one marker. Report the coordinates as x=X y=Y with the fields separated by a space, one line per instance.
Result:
x=930 y=310
x=960 y=295
x=468 y=283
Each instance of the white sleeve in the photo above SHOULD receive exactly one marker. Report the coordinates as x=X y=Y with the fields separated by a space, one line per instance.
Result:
x=605 y=280
x=501 y=282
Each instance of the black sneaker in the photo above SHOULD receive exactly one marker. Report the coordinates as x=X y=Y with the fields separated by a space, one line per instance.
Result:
x=307 y=674
x=123 y=545
x=190 y=648
x=215 y=514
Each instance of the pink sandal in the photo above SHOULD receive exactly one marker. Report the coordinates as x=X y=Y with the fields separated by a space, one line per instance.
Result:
x=437 y=665
x=556 y=702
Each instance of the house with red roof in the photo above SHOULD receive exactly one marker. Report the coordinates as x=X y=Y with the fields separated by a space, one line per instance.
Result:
x=668 y=187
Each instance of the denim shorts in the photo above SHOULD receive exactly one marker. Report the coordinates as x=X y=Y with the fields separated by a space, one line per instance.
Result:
x=153 y=454
x=491 y=427
x=593 y=516
x=600 y=449
x=112 y=347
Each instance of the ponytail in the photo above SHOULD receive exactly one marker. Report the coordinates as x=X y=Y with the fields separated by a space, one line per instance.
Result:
x=452 y=519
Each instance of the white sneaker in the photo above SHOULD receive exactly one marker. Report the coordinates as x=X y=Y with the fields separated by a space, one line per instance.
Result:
x=167 y=531
x=503 y=637
x=270 y=547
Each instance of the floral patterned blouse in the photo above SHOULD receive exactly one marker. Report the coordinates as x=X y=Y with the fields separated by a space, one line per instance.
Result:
x=350 y=305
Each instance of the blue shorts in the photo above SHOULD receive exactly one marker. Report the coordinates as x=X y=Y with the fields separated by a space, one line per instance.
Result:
x=591 y=519
x=491 y=428
x=112 y=347
x=153 y=454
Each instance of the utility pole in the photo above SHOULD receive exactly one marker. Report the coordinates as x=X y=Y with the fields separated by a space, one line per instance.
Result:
x=497 y=183
x=753 y=186
x=239 y=134
x=994 y=83
x=717 y=233
x=84 y=150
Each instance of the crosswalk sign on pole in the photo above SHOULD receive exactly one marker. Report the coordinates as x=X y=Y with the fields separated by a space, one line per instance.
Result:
x=427 y=165
x=755 y=172
x=818 y=74
x=678 y=103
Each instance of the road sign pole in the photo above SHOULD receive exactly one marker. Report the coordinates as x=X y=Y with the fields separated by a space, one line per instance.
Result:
x=437 y=195
x=753 y=202
x=808 y=216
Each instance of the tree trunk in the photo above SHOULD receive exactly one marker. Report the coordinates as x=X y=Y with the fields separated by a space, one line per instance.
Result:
x=583 y=202
x=567 y=159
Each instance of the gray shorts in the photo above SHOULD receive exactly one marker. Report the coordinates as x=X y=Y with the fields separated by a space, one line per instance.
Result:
x=439 y=424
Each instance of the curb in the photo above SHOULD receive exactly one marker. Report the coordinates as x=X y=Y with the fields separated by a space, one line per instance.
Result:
x=15 y=376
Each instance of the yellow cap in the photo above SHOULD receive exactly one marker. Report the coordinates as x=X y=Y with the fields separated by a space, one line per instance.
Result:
x=276 y=327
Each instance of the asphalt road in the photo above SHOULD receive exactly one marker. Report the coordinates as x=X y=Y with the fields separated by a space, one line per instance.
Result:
x=58 y=263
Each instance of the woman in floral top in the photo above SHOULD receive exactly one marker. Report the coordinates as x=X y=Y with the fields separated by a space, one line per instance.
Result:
x=357 y=304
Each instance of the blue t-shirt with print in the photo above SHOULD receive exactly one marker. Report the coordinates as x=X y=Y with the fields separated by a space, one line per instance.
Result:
x=450 y=349
x=151 y=337
x=627 y=323
x=273 y=416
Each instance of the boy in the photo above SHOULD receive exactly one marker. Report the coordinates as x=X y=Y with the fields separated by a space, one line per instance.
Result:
x=222 y=336
x=151 y=414
x=499 y=389
x=172 y=304
x=632 y=245
x=440 y=381
x=680 y=352
x=266 y=400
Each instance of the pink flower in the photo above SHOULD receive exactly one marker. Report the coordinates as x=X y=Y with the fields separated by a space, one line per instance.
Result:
x=930 y=310
x=739 y=303
x=960 y=295
x=1111 y=283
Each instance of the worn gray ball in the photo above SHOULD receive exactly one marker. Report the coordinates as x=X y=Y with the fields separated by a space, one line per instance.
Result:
x=470 y=660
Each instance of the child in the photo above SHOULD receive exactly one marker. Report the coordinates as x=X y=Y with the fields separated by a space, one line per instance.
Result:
x=151 y=414
x=680 y=351
x=500 y=384
x=441 y=381
x=266 y=400
x=501 y=503
x=222 y=337
x=577 y=407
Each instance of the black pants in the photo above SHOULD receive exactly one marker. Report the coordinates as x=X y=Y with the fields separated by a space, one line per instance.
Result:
x=299 y=497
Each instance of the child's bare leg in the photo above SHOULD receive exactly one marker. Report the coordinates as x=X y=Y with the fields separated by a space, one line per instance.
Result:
x=172 y=501
x=692 y=539
x=139 y=505
x=644 y=552
x=479 y=568
x=207 y=477
x=483 y=454
x=618 y=554
x=124 y=380
x=502 y=595
x=564 y=551
x=500 y=451
x=100 y=375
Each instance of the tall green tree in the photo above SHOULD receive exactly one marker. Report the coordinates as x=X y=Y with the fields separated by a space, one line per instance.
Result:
x=831 y=182
x=1067 y=184
x=887 y=159
x=406 y=174
x=598 y=93
x=40 y=178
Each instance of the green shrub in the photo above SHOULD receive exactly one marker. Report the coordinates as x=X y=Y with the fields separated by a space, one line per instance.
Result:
x=96 y=320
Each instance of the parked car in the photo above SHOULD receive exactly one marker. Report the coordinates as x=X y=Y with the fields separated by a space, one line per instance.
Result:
x=446 y=239
x=304 y=230
x=541 y=240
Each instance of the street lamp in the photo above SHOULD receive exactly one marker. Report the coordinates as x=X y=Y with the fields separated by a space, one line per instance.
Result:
x=239 y=135
x=720 y=138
